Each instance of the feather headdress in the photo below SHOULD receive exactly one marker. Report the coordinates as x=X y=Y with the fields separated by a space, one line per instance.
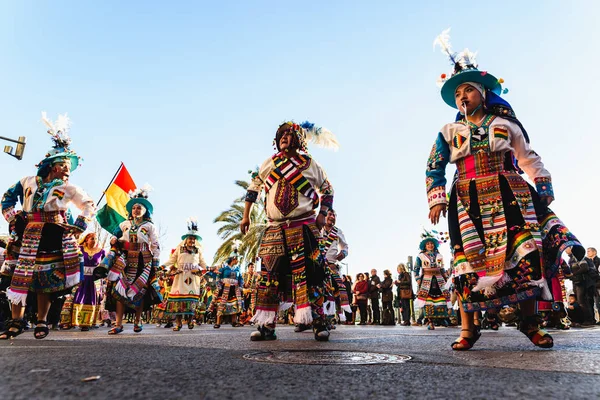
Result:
x=192 y=224
x=308 y=132
x=320 y=136
x=434 y=236
x=465 y=60
x=141 y=192
x=465 y=69
x=59 y=130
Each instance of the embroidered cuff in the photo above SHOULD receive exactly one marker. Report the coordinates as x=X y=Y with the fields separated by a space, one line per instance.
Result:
x=543 y=186
x=80 y=223
x=327 y=201
x=345 y=253
x=251 y=196
x=9 y=214
x=436 y=196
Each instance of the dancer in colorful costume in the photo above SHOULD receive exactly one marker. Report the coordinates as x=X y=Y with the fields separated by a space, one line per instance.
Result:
x=292 y=270
x=48 y=263
x=505 y=239
x=335 y=249
x=187 y=264
x=133 y=281
x=210 y=281
x=250 y=279
x=432 y=295
x=228 y=300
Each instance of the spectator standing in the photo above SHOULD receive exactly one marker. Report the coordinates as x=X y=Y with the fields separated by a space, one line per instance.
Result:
x=361 y=295
x=405 y=293
x=374 y=290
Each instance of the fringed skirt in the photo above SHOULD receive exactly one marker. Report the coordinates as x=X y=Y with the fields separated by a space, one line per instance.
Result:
x=48 y=262
x=432 y=295
x=292 y=273
x=229 y=300
x=184 y=295
x=336 y=297
x=136 y=282
x=506 y=242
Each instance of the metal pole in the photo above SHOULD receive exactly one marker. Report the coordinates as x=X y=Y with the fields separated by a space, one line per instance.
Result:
x=11 y=140
x=111 y=181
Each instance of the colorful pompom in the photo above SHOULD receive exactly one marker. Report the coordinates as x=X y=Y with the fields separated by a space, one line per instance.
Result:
x=483 y=73
x=500 y=81
x=505 y=91
x=443 y=76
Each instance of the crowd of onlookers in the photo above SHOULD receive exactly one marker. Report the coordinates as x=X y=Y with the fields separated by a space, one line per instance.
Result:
x=386 y=300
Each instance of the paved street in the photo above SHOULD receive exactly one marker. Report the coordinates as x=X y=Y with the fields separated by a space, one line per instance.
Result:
x=206 y=363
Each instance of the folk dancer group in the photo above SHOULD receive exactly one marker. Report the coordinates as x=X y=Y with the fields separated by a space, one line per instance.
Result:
x=506 y=243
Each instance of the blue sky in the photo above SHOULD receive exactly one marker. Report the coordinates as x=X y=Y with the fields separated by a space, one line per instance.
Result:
x=189 y=95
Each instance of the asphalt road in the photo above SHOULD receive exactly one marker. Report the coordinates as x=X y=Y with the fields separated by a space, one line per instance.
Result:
x=206 y=363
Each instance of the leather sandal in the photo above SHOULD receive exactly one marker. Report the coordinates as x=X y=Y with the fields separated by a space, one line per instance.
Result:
x=530 y=327
x=116 y=330
x=466 y=343
x=40 y=332
x=13 y=324
x=137 y=328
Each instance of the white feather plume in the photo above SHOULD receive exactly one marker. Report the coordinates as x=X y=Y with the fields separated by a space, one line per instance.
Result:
x=443 y=40
x=59 y=129
x=63 y=123
x=468 y=58
x=47 y=122
x=141 y=192
x=322 y=137
x=192 y=223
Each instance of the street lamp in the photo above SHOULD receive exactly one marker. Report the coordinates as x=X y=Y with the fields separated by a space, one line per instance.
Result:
x=20 y=147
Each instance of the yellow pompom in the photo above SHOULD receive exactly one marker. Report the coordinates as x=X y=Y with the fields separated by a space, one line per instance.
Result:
x=500 y=80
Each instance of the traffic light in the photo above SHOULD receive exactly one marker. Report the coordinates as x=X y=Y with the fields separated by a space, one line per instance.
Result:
x=20 y=147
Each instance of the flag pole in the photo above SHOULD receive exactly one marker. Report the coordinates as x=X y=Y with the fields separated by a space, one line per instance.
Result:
x=110 y=183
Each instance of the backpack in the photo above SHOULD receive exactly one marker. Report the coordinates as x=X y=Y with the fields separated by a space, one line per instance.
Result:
x=387 y=317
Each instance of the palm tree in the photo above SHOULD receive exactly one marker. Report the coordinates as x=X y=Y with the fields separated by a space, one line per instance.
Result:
x=230 y=230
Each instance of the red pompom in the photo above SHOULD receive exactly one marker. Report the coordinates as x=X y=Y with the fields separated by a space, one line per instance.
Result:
x=443 y=76
x=483 y=73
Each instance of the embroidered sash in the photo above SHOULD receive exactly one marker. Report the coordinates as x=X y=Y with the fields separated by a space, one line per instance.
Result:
x=290 y=170
x=330 y=238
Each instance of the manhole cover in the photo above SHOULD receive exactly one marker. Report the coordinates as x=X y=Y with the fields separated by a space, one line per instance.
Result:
x=325 y=357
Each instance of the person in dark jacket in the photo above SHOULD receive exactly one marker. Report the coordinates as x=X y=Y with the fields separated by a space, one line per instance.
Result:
x=374 y=289
x=592 y=254
x=405 y=293
x=387 y=297
x=582 y=283
x=348 y=285
x=575 y=311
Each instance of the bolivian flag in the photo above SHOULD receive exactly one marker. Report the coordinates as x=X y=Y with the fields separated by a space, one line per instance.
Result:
x=117 y=195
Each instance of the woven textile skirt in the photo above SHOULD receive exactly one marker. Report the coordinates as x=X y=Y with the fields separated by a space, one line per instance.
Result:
x=292 y=273
x=506 y=243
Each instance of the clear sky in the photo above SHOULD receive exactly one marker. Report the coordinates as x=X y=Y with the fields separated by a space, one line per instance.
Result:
x=189 y=95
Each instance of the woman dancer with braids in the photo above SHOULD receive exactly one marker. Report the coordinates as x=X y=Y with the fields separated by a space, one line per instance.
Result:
x=132 y=278
x=505 y=239
x=187 y=264
x=48 y=262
